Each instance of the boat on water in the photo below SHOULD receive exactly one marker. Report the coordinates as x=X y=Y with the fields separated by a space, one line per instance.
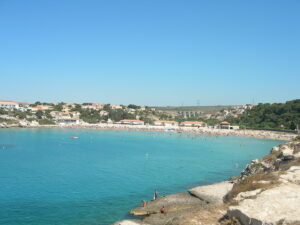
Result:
x=74 y=137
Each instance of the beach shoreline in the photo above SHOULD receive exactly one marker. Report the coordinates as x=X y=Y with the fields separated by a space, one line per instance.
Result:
x=275 y=185
x=263 y=134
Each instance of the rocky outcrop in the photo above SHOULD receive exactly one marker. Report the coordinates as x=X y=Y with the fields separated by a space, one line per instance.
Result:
x=272 y=206
x=248 y=194
x=278 y=201
x=266 y=193
x=192 y=217
x=213 y=193
x=130 y=222
x=276 y=160
x=171 y=203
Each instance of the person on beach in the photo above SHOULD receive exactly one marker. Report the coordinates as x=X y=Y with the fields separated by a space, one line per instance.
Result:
x=144 y=203
x=163 y=210
x=155 y=195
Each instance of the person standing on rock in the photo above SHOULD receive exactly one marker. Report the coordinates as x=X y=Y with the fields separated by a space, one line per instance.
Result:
x=163 y=210
x=144 y=203
x=155 y=195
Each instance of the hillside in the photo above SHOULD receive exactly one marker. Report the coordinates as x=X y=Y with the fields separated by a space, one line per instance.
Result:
x=204 y=109
x=284 y=116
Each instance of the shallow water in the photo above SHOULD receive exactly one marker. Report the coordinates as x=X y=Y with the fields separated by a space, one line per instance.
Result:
x=47 y=178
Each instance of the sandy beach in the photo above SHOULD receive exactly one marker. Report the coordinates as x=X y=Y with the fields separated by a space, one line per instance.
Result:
x=274 y=135
x=265 y=134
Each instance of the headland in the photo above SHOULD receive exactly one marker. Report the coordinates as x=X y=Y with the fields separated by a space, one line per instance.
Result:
x=267 y=192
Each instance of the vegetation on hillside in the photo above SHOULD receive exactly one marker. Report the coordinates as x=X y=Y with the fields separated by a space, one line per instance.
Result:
x=8 y=121
x=281 y=116
x=46 y=122
x=90 y=115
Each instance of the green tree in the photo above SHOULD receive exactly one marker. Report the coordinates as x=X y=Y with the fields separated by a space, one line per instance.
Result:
x=2 y=112
x=147 y=120
x=132 y=106
x=271 y=116
x=48 y=115
x=39 y=114
x=77 y=108
x=46 y=122
x=106 y=107
x=293 y=126
x=58 y=107
x=90 y=115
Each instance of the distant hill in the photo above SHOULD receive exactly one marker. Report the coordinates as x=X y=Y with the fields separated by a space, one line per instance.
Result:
x=281 y=116
x=204 y=109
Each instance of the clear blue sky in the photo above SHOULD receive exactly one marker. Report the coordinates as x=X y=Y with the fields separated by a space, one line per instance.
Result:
x=153 y=52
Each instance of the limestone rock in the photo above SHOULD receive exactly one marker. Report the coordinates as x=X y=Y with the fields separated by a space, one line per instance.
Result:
x=173 y=202
x=275 y=149
x=281 y=203
x=291 y=175
x=130 y=222
x=213 y=193
x=248 y=194
x=201 y=217
x=287 y=153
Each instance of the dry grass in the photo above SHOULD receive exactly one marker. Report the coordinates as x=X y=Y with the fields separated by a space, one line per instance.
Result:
x=272 y=157
x=252 y=183
x=281 y=222
x=288 y=164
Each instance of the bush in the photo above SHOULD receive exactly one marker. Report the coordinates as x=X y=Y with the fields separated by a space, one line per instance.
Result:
x=46 y=122
x=8 y=121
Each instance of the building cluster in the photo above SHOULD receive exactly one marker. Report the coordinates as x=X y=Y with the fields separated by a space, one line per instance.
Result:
x=171 y=123
x=68 y=114
x=65 y=117
x=12 y=105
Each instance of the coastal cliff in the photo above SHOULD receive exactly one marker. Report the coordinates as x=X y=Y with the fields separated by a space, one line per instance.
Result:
x=266 y=193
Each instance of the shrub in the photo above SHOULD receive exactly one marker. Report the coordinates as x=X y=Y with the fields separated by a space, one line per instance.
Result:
x=46 y=122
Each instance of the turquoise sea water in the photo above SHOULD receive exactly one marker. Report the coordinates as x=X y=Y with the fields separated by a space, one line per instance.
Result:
x=47 y=178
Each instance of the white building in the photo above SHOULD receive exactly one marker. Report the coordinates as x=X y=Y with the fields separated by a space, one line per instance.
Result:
x=193 y=124
x=95 y=106
x=22 y=106
x=226 y=125
x=103 y=113
x=166 y=123
x=116 y=107
x=72 y=120
x=40 y=107
x=132 y=122
x=65 y=117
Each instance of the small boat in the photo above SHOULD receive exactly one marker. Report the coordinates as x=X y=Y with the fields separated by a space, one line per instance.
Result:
x=74 y=137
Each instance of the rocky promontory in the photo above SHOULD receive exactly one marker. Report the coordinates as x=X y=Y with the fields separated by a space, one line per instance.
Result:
x=266 y=193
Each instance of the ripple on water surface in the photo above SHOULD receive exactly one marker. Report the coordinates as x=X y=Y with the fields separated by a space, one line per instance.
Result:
x=49 y=178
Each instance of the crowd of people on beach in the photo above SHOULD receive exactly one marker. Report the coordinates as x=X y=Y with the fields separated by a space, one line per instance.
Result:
x=195 y=130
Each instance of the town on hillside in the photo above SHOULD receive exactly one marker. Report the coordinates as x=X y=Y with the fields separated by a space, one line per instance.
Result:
x=23 y=113
x=283 y=116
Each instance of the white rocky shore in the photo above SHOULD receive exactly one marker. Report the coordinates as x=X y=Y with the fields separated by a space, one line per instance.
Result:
x=266 y=193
